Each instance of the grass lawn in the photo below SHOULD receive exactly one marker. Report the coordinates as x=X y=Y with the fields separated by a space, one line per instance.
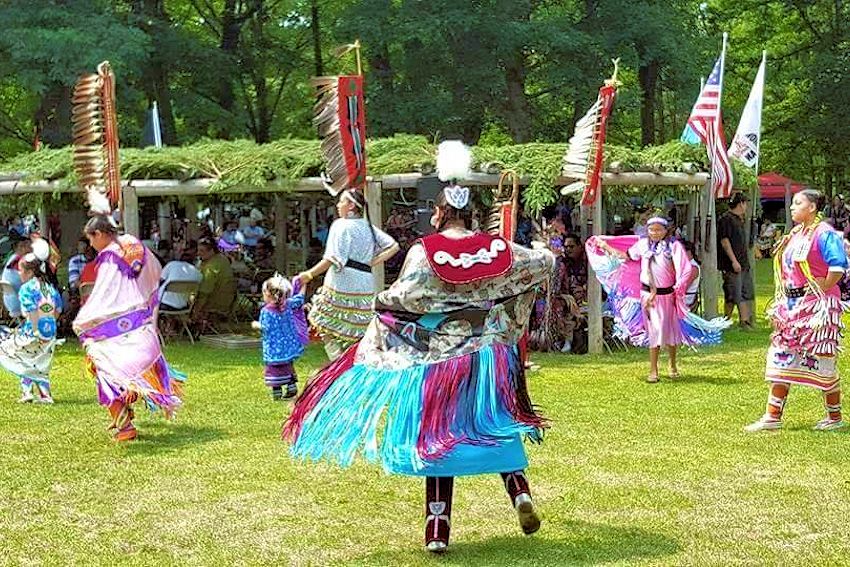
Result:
x=630 y=473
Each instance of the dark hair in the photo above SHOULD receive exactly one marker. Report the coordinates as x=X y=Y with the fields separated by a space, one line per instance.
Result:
x=574 y=237
x=266 y=242
x=689 y=247
x=208 y=243
x=43 y=275
x=85 y=240
x=164 y=245
x=737 y=198
x=192 y=244
x=816 y=197
x=102 y=223
x=450 y=213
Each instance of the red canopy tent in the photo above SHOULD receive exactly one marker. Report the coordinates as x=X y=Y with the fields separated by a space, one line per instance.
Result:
x=772 y=186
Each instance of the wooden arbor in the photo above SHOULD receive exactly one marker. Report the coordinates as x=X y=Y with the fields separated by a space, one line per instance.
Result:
x=701 y=219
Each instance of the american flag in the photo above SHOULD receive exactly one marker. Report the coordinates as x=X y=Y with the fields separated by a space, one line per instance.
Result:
x=707 y=122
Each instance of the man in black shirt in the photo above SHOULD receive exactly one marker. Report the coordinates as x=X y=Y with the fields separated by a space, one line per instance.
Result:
x=733 y=260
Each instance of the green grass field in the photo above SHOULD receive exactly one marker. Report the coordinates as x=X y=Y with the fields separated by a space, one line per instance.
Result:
x=630 y=473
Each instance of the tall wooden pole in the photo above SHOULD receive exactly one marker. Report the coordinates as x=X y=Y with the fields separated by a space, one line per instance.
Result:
x=130 y=211
x=710 y=274
x=374 y=190
x=281 y=252
x=595 y=343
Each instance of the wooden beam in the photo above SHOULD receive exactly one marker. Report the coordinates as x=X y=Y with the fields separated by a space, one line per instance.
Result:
x=374 y=191
x=130 y=213
x=595 y=342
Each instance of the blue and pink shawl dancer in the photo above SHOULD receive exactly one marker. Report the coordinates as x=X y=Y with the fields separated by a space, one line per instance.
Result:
x=436 y=387
x=646 y=280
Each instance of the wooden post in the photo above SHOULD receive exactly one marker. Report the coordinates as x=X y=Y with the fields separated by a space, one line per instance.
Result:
x=163 y=219
x=192 y=218
x=281 y=214
x=131 y=211
x=305 y=233
x=594 y=289
x=788 y=221
x=710 y=274
x=693 y=214
x=376 y=215
x=42 y=220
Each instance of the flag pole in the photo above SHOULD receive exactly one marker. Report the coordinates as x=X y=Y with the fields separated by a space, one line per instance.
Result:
x=722 y=72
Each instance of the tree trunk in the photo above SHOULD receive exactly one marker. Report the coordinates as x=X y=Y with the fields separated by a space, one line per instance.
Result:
x=316 y=30
x=517 y=111
x=231 y=29
x=648 y=78
x=53 y=116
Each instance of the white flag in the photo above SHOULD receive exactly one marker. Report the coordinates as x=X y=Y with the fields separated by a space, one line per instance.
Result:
x=745 y=144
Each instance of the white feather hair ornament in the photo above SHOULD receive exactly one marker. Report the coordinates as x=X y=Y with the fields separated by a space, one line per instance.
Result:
x=454 y=160
x=41 y=249
x=98 y=202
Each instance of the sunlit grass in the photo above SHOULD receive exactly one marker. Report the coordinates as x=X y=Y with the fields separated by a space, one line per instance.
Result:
x=630 y=473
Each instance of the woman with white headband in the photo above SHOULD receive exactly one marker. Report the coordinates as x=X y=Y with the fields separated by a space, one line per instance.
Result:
x=27 y=351
x=436 y=388
x=342 y=307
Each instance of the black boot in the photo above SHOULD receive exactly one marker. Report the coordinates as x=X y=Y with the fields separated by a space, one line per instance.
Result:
x=438 y=511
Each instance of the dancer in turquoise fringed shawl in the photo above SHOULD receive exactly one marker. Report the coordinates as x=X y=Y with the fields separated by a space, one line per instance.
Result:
x=436 y=387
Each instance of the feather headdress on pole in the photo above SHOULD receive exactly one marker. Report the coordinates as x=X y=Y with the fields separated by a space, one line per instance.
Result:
x=340 y=116
x=584 y=157
x=95 y=138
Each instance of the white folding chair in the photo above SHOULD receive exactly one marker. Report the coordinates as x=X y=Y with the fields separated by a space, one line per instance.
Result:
x=189 y=290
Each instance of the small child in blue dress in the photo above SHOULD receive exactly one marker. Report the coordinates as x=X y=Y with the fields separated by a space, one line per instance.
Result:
x=282 y=341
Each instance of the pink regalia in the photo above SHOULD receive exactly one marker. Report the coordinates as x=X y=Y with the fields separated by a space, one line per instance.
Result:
x=806 y=320
x=663 y=267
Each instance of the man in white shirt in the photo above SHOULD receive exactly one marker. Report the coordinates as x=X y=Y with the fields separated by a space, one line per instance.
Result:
x=176 y=271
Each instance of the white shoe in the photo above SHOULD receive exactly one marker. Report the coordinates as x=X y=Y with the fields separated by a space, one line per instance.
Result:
x=46 y=400
x=764 y=424
x=436 y=546
x=567 y=348
x=827 y=424
x=26 y=398
x=529 y=521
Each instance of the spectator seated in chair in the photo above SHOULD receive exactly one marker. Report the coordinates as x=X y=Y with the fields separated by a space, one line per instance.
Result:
x=217 y=291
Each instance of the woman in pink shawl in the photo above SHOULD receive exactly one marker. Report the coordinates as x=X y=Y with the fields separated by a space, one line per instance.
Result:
x=117 y=327
x=646 y=279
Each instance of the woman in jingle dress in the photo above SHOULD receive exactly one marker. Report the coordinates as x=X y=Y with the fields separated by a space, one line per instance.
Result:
x=342 y=307
x=806 y=314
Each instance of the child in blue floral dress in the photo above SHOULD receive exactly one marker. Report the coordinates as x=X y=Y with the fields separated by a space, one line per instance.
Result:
x=283 y=324
x=27 y=351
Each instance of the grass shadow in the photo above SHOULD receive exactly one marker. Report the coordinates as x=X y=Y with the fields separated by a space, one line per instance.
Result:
x=159 y=437
x=688 y=378
x=568 y=543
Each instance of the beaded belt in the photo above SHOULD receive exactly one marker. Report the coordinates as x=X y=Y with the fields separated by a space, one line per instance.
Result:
x=794 y=292
x=119 y=325
x=360 y=266
x=658 y=290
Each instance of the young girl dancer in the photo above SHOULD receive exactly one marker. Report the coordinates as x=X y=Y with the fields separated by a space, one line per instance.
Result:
x=436 y=388
x=284 y=330
x=28 y=350
x=647 y=279
x=806 y=314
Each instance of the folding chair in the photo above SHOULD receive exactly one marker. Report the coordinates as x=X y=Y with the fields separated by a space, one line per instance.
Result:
x=189 y=289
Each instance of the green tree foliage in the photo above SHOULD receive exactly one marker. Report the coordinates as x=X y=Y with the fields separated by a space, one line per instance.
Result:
x=498 y=71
